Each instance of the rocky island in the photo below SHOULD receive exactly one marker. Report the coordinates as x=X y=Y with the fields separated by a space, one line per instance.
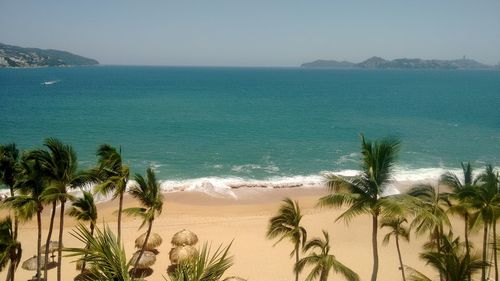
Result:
x=403 y=63
x=14 y=56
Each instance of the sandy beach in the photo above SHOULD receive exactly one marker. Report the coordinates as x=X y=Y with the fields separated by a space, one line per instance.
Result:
x=219 y=220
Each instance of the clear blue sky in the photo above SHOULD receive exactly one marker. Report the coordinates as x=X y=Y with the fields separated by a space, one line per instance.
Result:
x=255 y=32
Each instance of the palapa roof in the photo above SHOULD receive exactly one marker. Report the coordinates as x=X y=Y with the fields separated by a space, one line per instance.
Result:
x=182 y=253
x=154 y=241
x=147 y=259
x=184 y=237
x=53 y=246
x=30 y=264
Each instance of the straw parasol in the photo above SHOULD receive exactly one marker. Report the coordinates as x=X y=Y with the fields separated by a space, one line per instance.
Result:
x=184 y=237
x=234 y=278
x=30 y=264
x=182 y=253
x=153 y=242
x=53 y=246
x=147 y=259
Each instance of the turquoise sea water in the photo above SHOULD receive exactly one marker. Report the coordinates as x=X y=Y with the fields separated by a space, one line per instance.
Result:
x=254 y=123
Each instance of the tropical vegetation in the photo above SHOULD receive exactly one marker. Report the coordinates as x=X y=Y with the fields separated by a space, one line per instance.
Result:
x=286 y=225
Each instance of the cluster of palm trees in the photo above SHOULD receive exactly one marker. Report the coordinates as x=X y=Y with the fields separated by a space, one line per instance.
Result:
x=45 y=177
x=425 y=210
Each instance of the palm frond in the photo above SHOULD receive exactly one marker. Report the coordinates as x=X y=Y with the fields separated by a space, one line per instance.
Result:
x=205 y=266
x=104 y=254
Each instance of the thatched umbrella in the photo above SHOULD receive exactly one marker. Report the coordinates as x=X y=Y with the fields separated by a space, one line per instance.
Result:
x=153 y=242
x=182 y=253
x=53 y=246
x=147 y=259
x=30 y=264
x=234 y=278
x=184 y=237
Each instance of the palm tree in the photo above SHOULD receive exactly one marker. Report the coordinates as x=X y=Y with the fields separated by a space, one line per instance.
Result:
x=30 y=200
x=458 y=187
x=10 y=248
x=398 y=230
x=451 y=261
x=287 y=225
x=204 y=266
x=485 y=199
x=112 y=176
x=323 y=262
x=59 y=164
x=84 y=209
x=9 y=156
x=364 y=192
x=104 y=254
x=148 y=192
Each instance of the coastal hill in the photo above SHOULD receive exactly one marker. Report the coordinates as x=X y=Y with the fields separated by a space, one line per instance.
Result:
x=403 y=63
x=14 y=56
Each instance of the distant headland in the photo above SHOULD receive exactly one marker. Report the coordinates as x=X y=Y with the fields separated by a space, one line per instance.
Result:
x=14 y=56
x=402 y=63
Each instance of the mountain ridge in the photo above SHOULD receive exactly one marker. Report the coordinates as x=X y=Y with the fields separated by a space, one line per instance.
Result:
x=15 y=56
x=401 y=63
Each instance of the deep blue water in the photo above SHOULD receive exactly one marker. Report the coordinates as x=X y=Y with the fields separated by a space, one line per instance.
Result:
x=254 y=123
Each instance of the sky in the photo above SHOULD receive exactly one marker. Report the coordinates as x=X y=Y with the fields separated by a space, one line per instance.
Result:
x=255 y=32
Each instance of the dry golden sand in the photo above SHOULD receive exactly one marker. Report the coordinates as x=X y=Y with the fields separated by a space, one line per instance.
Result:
x=220 y=220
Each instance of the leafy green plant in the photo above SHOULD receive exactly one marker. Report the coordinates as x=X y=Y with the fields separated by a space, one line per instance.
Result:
x=104 y=255
x=323 y=262
x=205 y=266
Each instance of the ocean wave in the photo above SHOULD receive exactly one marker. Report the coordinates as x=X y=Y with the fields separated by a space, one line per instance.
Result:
x=226 y=186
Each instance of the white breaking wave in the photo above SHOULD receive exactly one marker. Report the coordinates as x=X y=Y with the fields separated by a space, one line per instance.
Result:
x=226 y=186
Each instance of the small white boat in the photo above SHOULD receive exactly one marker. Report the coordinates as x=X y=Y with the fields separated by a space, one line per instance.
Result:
x=50 y=82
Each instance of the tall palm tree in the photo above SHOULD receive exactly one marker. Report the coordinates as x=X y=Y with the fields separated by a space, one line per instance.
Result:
x=286 y=224
x=84 y=209
x=429 y=208
x=112 y=176
x=148 y=192
x=364 y=192
x=9 y=156
x=323 y=262
x=30 y=200
x=451 y=261
x=398 y=230
x=458 y=187
x=485 y=199
x=59 y=164
x=10 y=248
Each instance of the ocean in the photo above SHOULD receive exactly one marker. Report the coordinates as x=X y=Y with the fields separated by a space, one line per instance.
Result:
x=205 y=127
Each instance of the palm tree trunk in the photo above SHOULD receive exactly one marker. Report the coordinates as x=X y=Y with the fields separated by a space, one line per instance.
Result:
x=375 y=246
x=495 y=249
x=400 y=258
x=466 y=235
x=324 y=275
x=120 y=207
x=16 y=219
x=49 y=237
x=59 y=249
x=297 y=248
x=143 y=246
x=39 y=243
x=485 y=248
x=12 y=268
x=88 y=245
